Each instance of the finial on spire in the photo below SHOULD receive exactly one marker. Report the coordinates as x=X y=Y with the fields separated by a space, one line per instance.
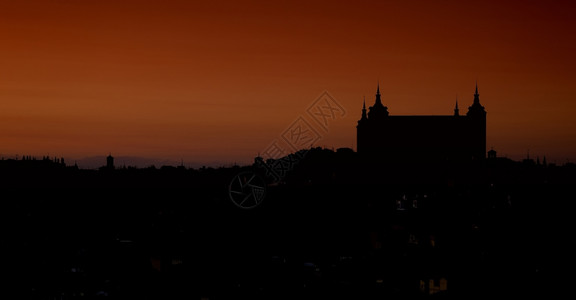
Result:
x=364 y=105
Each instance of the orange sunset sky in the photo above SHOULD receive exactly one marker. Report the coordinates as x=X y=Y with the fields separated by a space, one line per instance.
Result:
x=215 y=82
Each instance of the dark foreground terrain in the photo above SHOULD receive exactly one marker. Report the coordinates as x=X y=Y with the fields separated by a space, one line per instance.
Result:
x=326 y=231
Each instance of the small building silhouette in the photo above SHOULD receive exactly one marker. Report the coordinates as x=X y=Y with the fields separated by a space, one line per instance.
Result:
x=110 y=162
x=492 y=154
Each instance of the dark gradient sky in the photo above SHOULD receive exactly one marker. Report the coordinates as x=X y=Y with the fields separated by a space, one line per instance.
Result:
x=218 y=81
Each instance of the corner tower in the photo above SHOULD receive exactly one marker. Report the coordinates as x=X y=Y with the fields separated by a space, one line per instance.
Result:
x=477 y=128
x=378 y=111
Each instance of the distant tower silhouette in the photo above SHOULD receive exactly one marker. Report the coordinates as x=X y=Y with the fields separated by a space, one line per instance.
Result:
x=492 y=153
x=422 y=138
x=110 y=162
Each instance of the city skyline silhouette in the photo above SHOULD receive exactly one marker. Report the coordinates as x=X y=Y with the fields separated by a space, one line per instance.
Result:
x=455 y=136
x=287 y=150
x=427 y=134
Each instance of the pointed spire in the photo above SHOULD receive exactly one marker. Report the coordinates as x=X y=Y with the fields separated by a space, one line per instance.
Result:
x=476 y=95
x=378 y=100
x=456 y=110
x=364 y=109
x=378 y=110
x=476 y=108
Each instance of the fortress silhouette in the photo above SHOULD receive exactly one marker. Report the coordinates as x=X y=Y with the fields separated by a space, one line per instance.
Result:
x=422 y=139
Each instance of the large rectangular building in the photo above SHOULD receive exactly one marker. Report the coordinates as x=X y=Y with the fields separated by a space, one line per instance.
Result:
x=449 y=138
